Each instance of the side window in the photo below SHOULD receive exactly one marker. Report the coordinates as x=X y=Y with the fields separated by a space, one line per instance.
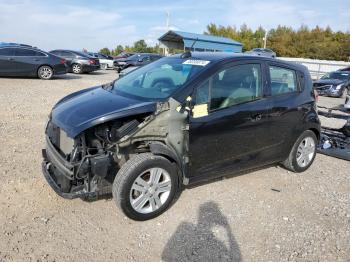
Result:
x=6 y=51
x=200 y=108
x=24 y=52
x=282 y=80
x=66 y=54
x=236 y=85
x=39 y=53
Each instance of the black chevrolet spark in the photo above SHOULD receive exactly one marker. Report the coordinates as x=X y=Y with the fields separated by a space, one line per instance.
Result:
x=177 y=121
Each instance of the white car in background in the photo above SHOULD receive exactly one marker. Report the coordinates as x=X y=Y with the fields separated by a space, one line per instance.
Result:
x=106 y=61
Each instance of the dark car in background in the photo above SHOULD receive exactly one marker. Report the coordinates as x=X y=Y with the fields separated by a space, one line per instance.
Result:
x=262 y=52
x=24 y=60
x=177 y=121
x=78 y=62
x=335 y=84
x=138 y=59
x=344 y=69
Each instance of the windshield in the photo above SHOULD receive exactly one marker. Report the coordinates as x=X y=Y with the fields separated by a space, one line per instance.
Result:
x=157 y=80
x=337 y=75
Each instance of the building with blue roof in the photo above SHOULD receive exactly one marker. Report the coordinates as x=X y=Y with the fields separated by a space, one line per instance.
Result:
x=198 y=42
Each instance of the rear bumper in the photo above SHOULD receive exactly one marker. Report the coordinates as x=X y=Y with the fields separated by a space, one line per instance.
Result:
x=90 y=68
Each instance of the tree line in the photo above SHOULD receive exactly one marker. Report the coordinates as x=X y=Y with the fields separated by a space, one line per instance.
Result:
x=315 y=43
x=139 y=46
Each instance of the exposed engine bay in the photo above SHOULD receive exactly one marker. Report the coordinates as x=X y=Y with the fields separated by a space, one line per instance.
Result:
x=86 y=166
x=335 y=141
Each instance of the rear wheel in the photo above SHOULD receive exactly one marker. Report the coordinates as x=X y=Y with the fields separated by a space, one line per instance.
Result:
x=303 y=152
x=145 y=186
x=45 y=72
x=77 y=68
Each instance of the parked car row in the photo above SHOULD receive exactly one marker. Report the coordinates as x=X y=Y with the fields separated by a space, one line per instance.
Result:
x=138 y=59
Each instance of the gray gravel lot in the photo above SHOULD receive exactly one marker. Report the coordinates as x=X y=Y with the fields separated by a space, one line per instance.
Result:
x=266 y=215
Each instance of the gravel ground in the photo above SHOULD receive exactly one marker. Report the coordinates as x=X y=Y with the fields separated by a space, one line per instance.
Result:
x=266 y=215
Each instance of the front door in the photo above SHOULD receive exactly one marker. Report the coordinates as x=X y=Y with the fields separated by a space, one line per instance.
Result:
x=229 y=124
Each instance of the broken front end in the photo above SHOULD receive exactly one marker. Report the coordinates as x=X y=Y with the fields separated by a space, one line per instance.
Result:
x=86 y=166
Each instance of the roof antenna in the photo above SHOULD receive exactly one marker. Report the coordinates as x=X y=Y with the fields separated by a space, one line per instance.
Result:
x=188 y=54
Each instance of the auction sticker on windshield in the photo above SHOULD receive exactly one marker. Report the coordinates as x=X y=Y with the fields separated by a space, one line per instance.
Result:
x=196 y=62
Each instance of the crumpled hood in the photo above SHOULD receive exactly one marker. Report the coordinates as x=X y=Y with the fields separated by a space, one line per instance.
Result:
x=86 y=108
x=329 y=81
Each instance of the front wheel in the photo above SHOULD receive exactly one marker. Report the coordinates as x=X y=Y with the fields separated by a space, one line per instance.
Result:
x=45 y=72
x=303 y=153
x=145 y=186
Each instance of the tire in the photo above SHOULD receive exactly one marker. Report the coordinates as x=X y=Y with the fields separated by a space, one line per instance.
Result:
x=344 y=93
x=45 y=72
x=104 y=66
x=140 y=167
x=294 y=161
x=77 y=69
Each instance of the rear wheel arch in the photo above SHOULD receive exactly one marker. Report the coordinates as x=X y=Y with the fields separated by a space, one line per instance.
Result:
x=316 y=131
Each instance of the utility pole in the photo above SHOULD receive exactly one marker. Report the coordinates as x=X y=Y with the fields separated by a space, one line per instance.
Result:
x=265 y=38
x=167 y=20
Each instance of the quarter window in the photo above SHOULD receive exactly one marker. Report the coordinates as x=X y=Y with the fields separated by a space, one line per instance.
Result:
x=282 y=80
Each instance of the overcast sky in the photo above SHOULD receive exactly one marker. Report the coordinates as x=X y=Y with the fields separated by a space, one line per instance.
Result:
x=95 y=24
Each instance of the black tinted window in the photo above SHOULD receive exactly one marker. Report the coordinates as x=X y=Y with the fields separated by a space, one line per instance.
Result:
x=66 y=54
x=24 y=52
x=6 y=51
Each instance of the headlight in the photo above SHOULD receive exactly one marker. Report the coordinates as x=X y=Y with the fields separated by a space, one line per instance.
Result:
x=338 y=86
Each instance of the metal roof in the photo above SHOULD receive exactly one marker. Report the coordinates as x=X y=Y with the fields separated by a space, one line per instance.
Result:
x=175 y=35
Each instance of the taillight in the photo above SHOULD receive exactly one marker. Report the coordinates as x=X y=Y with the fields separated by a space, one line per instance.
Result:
x=91 y=62
x=316 y=95
x=62 y=61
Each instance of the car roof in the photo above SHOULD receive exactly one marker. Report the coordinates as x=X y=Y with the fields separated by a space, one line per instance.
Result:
x=222 y=56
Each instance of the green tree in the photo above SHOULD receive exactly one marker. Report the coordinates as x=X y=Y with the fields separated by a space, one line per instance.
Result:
x=105 y=51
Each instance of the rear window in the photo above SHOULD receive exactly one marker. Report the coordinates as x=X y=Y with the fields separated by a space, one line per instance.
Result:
x=24 y=52
x=283 y=80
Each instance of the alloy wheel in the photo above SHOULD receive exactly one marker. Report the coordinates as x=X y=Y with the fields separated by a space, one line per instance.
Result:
x=306 y=151
x=76 y=69
x=45 y=72
x=150 y=190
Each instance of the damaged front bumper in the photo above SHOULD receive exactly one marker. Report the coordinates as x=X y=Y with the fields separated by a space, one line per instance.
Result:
x=84 y=179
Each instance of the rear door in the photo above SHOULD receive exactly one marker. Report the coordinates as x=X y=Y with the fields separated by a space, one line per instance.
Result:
x=7 y=62
x=229 y=126
x=285 y=86
x=28 y=60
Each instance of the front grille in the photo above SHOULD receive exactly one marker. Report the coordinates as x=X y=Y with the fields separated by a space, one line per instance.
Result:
x=323 y=87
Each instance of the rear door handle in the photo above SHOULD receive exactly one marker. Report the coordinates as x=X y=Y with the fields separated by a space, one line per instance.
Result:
x=256 y=118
